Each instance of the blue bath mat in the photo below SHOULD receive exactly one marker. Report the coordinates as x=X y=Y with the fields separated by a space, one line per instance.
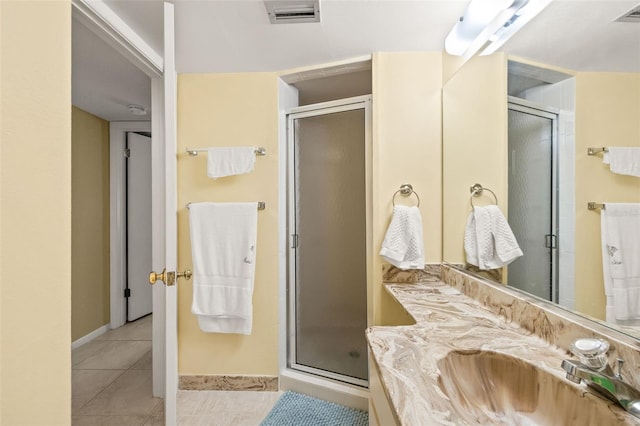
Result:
x=295 y=409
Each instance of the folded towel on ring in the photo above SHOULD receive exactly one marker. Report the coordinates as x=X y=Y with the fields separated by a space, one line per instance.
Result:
x=489 y=242
x=403 y=244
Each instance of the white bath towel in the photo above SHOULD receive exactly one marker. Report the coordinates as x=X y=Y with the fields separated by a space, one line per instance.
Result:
x=623 y=160
x=620 y=234
x=489 y=242
x=223 y=248
x=223 y=162
x=403 y=244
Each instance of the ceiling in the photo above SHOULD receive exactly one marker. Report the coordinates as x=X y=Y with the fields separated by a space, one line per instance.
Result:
x=235 y=36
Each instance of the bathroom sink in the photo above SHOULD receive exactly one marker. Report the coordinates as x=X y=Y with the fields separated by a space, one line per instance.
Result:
x=486 y=387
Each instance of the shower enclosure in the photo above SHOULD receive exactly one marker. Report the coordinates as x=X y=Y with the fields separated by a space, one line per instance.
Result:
x=327 y=224
x=533 y=199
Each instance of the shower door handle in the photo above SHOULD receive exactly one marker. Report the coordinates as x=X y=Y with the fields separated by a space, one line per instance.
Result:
x=550 y=241
x=294 y=241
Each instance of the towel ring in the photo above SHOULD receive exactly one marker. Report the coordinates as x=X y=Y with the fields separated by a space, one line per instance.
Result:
x=406 y=190
x=476 y=190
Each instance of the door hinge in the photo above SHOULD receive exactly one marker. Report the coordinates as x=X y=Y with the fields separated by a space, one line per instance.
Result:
x=127 y=292
x=294 y=241
x=127 y=153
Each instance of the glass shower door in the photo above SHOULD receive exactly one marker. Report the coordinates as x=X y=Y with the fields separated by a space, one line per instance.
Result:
x=532 y=193
x=328 y=276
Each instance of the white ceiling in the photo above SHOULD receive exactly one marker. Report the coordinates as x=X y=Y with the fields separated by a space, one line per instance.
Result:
x=236 y=36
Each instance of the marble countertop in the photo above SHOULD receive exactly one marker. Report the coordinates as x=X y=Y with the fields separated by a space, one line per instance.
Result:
x=409 y=357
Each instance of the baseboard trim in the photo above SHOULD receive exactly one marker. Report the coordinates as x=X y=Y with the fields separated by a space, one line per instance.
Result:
x=229 y=383
x=89 y=337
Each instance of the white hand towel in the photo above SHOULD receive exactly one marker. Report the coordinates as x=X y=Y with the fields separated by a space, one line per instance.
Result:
x=223 y=248
x=403 y=244
x=623 y=161
x=223 y=162
x=620 y=234
x=489 y=242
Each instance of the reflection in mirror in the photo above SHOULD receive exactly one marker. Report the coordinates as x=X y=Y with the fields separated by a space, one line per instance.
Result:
x=540 y=147
x=521 y=121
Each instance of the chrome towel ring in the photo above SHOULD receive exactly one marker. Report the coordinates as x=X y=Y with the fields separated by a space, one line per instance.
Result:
x=476 y=190
x=406 y=190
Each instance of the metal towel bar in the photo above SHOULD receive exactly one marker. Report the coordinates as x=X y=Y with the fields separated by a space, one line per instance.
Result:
x=261 y=205
x=194 y=151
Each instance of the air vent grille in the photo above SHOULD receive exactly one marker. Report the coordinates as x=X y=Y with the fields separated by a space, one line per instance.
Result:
x=631 y=16
x=294 y=11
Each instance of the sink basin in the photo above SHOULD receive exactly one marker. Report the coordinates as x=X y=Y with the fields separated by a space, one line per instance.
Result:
x=486 y=387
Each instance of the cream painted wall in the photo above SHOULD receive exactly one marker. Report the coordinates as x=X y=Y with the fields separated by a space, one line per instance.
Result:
x=474 y=143
x=230 y=110
x=607 y=114
x=35 y=213
x=407 y=123
x=90 y=224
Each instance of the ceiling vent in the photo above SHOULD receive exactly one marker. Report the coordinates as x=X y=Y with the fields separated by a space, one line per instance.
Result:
x=631 y=16
x=293 y=11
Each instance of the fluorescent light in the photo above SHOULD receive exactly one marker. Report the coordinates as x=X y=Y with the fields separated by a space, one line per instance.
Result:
x=519 y=20
x=490 y=22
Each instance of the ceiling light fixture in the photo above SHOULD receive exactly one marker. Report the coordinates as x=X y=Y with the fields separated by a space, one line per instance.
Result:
x=137 y=109
x=487 y=24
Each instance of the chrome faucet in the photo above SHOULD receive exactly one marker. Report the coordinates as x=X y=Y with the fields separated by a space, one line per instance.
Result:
x=598 y=375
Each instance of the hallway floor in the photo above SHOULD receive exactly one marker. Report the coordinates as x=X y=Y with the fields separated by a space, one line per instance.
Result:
x=111 y=386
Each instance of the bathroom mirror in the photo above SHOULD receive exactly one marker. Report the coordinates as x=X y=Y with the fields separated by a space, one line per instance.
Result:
x=577 y=83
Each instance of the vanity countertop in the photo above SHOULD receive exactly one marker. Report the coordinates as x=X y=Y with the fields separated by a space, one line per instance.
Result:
x=407 y=357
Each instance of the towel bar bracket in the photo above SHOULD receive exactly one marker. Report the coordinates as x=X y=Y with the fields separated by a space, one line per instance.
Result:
x=476 y=190
x=406 y=189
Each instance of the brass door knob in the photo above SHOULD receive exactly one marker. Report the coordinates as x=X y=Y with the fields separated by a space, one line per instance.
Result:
x=169 y=278
x=154 y=276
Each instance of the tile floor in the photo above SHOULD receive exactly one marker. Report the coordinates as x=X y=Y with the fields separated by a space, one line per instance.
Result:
x=111 y=386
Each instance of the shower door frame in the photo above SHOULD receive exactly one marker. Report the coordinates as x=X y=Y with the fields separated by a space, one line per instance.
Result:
x=553 y=114
x=314 y=110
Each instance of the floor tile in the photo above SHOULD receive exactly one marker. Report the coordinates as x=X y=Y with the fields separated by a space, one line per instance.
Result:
x=80 y=354
x=224 y=408
x=108 y=420
x=85 y=384
x=193 y=403
x=156 y=421
x=137 y=330
x=144 y=363
x=114 y=355
x=129 y=394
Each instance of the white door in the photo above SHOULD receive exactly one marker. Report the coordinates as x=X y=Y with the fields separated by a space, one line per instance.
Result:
x=138 y=292
x=164 y=224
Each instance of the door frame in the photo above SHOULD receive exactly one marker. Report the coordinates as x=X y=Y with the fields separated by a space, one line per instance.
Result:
x=118 y=215
x=106 y=24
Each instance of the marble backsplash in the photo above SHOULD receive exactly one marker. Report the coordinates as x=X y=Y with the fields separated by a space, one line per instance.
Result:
x=391 y=274
x=547 y=321
x=228 y=383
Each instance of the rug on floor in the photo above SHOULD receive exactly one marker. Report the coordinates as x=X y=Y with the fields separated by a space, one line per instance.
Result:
x=295 y=409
